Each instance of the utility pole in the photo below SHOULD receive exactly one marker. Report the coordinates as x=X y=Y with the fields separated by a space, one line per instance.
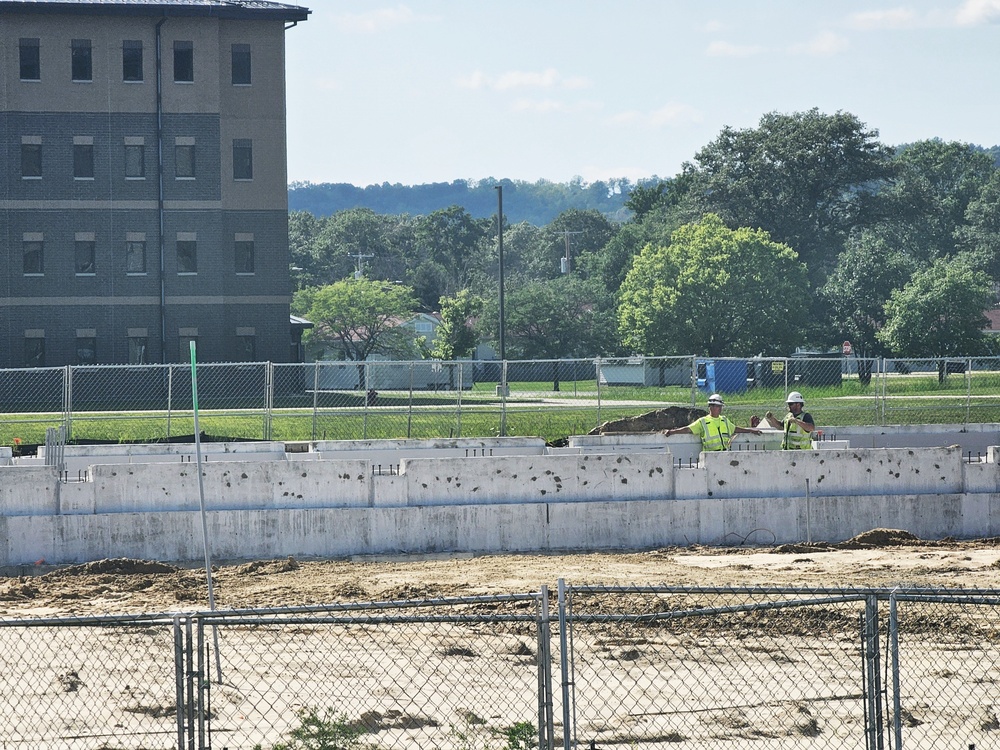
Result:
x=564 y=262
x=359 y=260
x=503 y=346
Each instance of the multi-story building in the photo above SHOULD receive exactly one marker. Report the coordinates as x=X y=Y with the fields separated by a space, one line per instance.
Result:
x=143 y=186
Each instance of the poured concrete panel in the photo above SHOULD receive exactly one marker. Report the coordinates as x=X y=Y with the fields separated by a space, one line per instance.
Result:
x=231 y=485
x=851 y=472
x=557 y=479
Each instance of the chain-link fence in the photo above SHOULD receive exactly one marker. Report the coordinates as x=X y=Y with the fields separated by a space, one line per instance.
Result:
x=635 y=667
x=432 y=399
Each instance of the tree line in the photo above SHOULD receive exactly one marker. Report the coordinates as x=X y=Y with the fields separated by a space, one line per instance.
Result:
x=805 y=230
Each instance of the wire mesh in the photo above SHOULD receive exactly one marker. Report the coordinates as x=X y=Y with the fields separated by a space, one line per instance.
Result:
x=431 y=399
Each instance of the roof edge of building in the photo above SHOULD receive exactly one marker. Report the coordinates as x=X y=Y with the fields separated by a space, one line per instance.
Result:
x=226 y=9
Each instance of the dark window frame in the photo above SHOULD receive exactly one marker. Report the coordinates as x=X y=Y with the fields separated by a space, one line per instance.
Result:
x=85 y=344
x=83 y=161
x=81 y=61
x=183 y=61
x=135 y=166
x=33 y=257
x=242 y=65
x=85 y=257
x=242 y=159
x=34 y=351
x=187 y=256
x=189 y=162
x=31 y=161
x=29 y=59
x=135 y=255
x=245 y=257
x=132 y=71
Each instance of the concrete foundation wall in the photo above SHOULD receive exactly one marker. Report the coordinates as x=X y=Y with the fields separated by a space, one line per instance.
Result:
x=522 y=501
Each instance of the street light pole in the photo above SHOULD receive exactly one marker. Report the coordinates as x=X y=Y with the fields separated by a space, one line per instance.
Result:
x=503 y=343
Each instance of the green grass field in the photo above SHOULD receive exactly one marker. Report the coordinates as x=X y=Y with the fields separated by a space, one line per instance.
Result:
x=531 y=409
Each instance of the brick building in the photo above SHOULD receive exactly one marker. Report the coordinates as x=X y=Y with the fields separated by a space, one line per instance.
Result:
x=143 y=189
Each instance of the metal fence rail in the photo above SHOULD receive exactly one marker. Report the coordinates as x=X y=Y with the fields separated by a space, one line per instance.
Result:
x=424 y=399
x=598 y=667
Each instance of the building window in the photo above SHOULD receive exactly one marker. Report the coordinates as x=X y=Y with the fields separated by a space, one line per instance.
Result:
x=187 y=256
x=183 y=62
x=84 y=258
x=242 y=159
x=135 y=161
x=34 y=351
x=31 y=61
x=244 y=256
x=184 y=161
x=132 y=60
x=83 y=161
x=185 y=340
x=246 y=348
x=135 y=256
x=31 y=160
x=33 y=252
x=86 y=350
x=241 y=65
x=82 y=60
x=137 y=350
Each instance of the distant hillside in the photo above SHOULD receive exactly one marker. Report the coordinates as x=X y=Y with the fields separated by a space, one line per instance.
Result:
x=535 y=202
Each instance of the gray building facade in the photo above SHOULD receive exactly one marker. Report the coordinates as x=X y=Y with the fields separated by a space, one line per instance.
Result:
x=143 y=182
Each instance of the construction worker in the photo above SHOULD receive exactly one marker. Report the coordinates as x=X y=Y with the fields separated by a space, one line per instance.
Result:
x=716 y=431
x=797 y=425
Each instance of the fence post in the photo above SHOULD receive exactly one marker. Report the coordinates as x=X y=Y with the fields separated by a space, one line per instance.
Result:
x=873 y=695
x=179 y=679
x=315 y=397
x=545 y=720
x=458 y=400
x=968 y=390
x=694 y=380
x=897 y=723
x=268 y=398
x=503 y=398
x=565 y=668
x=597 y=377
x=170 y=396
x=409 y=410
x=364 y=395
x=68 y=400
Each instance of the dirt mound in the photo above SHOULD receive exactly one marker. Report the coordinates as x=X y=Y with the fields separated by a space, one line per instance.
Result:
x=653 y=421
x=117 y=566
x=880 y=538
x=267 y=567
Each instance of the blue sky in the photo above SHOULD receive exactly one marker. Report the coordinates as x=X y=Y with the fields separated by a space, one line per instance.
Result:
x=438 y=90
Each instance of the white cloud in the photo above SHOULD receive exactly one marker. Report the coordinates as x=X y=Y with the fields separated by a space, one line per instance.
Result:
x=893 y=18
x=977 y=12
x=374 y=20
x=822 y=45
x=672 y=113
x=726 y=49
x=550 y=78
x=545 y=106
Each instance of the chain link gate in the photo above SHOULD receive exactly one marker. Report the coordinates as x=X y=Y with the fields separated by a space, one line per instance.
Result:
x=637 y=667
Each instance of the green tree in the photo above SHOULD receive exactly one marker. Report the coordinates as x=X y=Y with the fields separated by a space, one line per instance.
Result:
x=553 y=319
x=360 y=317
x=447 y=241
x=868 y=271
x=805 y=178
x=939 y=313
x=456 y=336
x=714 y=291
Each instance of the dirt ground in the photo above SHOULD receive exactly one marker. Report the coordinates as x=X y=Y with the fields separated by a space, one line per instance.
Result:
x=878 y=558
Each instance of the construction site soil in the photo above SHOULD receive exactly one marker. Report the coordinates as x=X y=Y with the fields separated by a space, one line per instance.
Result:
x=881 y=558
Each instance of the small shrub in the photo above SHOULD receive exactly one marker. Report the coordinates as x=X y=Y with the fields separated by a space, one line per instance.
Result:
x=326 y=731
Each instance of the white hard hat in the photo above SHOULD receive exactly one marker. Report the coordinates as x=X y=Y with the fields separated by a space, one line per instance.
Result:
x=795 y=398
x=715 y=398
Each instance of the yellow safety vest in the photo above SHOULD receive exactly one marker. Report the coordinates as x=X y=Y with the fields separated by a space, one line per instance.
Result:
x=796 y=439
x=716 y=434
